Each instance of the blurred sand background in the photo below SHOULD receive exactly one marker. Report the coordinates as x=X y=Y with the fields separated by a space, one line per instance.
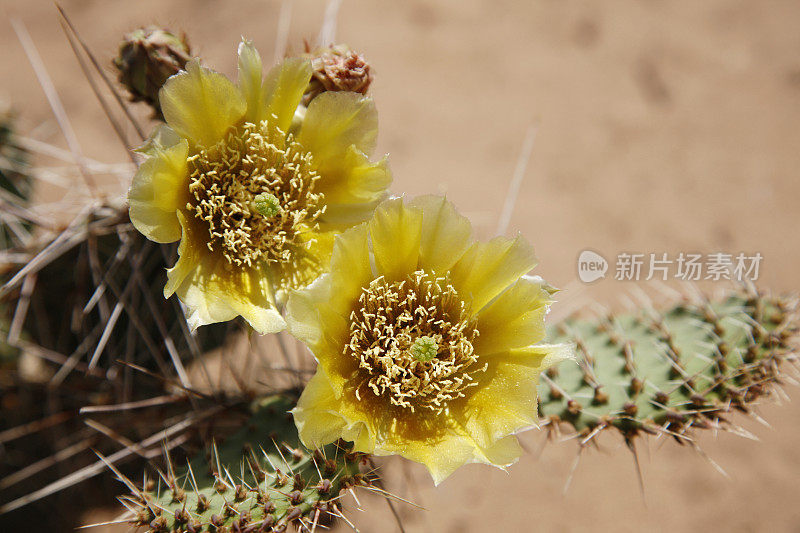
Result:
x=662 y=126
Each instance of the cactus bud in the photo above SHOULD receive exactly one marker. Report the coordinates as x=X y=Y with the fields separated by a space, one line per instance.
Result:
x=337 y=68
x=147 y=57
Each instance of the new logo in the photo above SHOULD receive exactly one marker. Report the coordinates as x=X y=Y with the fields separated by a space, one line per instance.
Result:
x=591 y=266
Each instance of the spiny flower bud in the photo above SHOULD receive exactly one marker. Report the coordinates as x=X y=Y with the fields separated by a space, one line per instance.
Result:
x=337 y=68
x=147 y=57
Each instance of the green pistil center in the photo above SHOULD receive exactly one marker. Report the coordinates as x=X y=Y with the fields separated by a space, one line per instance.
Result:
x=424 y=349
x=267 y=204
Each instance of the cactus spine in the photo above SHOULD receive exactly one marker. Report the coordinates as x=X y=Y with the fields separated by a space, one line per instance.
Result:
x=15 y=184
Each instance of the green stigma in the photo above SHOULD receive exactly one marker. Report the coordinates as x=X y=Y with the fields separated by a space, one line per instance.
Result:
x=424 y=349
x=267 y=204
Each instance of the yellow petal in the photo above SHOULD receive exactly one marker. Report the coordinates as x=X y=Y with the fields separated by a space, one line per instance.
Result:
x=317 y=413
x=487 y=268
x=350 y=268
x=349 y=272
x=315 y=247
x=340 y=130
x=322 y=417
x=319 y=247
x=503 y=453
x=162 y=137
x=190 y=250
x=445 y=453
x=505 y=400
x=283 y=90
x=215 y=291
x=355 y=179
x=515 y=318
x=319 y=314
x=201 y=104
x=396 y=231
x=303 y=312
x=312 y=319
x=250 y=82
x=338 y=217
x=446 y=235
x=550 y=354
x=335 y=121
x=158 y=190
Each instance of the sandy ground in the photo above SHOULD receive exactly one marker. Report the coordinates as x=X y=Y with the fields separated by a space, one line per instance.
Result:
x=662 y=126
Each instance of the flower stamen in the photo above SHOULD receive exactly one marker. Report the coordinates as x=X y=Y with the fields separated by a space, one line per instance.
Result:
x=254 y=190
x=413 y=342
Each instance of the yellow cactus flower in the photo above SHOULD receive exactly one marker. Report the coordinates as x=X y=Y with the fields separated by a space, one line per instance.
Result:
x=427 y=341
x=254 y=185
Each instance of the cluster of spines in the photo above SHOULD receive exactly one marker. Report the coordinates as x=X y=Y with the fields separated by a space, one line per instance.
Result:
x=15 y=189
x=13 y=159
x=15 y=184
x=87 y=297
x=279 y=482
x=669 y=372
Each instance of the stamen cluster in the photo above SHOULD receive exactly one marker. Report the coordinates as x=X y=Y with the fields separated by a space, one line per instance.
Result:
x=254 y=190
x=413 y=342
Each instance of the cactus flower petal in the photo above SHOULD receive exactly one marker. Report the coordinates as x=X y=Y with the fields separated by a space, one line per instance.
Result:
x=487 y=268
x=506 y=401
x=283 y=89
x=200 y=104
x=335 y=121
x=158 y=191
x=446 y=234
x=515 y=318
x=396 y=231
x=330 y=418
x=250 y=81
x=214 y=291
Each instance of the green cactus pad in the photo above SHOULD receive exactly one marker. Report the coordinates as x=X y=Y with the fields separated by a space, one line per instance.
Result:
x=669 y=372
x=258 y=479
